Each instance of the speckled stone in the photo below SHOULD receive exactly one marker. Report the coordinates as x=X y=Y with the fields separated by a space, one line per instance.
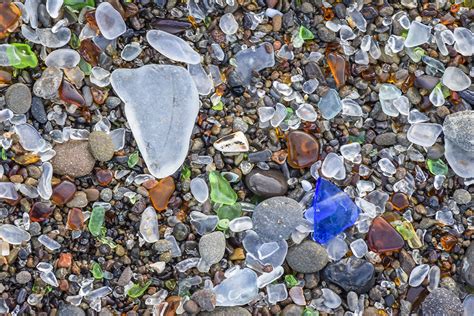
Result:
x=101 y=146
x=73 y=158
x=212 y=247
x=18 y=98
x=442 y=302
x=266 y=183
x=307 y=257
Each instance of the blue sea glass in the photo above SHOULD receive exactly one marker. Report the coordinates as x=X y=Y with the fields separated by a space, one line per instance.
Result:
x=333 y=211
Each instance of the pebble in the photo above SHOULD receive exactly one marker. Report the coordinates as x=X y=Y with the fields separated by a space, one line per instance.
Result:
x=325 y=34
x=37 y=110
x=79 y=200
x=73 y=158
x=467 y=270
x=23 y=277
x=266 y=183
x=101 y=145
x=442 y=302
x=307 y=257
x=70 y=310
x=18 y=98
x=228 y=311
x=386 y=139
x=462 y=196
x=205 y=298
x=293 y=310
x=351 y=274
x=276 y=218
x=212 y=247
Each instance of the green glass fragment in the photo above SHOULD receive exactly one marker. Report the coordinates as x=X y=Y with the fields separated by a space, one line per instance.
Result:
x=21 y=56
x=229 y=212
x=185 y=173
x=469 y=3
x=357 y=138
x=305 y=34
x=221 y=191
x=223 y=224
x=437 y=167
x=132 y=159
x=218 y=107
x=408 y=233
x=97 y=271
x=170 y=284
x=96 y=221
x=79 y=4
x=74 y=42
x=290 y=280
x=308 y=311
x=4 y=154
x=138 y=290
x=85 y=67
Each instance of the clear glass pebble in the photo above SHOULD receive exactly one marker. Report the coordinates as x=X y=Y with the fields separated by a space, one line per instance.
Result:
x=149 y=228
x=8 y=191
x=241 y=224
x=424 y=134
x=333 y=167
x=455 y=79
x=418 y=34
x=131 y=51
x=331 y=299
x=13 y=235
x=387 y=167
x=109 y=20
x=310 y=86
x=53 y=7
x=306 y=112
x=359 y=248
x=351 y=151
x=228 y=24
x=201 y=79
x=199 y=189
x=172 y=47
x=49 y=243
x=276 y=293
x=351 y=107
x=418 y=275
x=203 y=223
x=330 y=104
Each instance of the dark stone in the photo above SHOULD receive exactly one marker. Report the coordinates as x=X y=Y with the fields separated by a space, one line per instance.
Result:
x=70 y=310
x=351 y=274
x=37 y=110
x=266 y=183
x=468 y=265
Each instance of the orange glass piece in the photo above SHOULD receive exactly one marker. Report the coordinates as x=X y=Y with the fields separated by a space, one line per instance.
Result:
x=9 y=17
x=337 y=65
x=104 y=177
x=75 y=219
x=89 y=51
x=63 y=192
x=5 y=78
x=328 y=14
x=448 y=242
x=65 y=260
x=27 y=159
x=400 y=201
x=382 y=237
x=99 y=95
x=40 y=212
x=161 y=193
x=69 y=94
x=303 y=149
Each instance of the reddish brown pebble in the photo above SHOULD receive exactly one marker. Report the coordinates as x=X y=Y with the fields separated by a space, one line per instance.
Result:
x=69 y=94
x=104 y=177
x=63 y=192
x=382 y=237
x=75 y=219
x=65 y=260
x=400 y=201
x=303 y=149
x=448 y=242
x=40 y=212
x=160 y=194
x=89 y=51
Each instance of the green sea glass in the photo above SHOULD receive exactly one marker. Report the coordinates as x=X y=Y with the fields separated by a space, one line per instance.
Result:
x=96 y=221
x=221 y=191
x=21 y=56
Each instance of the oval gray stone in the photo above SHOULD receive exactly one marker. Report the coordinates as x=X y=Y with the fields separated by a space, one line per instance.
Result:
x=161 y=105
x=101 y=145
x=266 y=183
x=18 y=98
x=307 y=257
x=212 y=247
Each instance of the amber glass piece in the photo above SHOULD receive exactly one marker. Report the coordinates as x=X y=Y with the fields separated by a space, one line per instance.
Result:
x=400 y=201
x=328 y=14
x=90 y=18
x=104 y=177
x=160 y=194
x=337 y=65
x=382 y=237
x=448 y=242
x=89 y=51
x=75 y=219
x=99 y=95
x=63 y=192
x=9 y=16
x=149 y=184
x=27 y=159
x=69 y=94
x=303 y=149
x=279 y=156
x=5 y=78
x=40 y=212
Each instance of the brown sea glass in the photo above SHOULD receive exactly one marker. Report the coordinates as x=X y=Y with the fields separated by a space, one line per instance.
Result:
x=9 y=17
x=400 y=201
x=99 y=95
x=337 y=65
x=89 y=51
x=5 y=78
x=40 y=212
x=104 y=177
x=63 y=192
x=303 y=149
x=75 y=219
x=448 y=242
x=69 y=94
x=382 y=237
x=160 y=194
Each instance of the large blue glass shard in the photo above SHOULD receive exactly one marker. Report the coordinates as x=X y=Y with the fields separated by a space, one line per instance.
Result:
x=334 y=211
